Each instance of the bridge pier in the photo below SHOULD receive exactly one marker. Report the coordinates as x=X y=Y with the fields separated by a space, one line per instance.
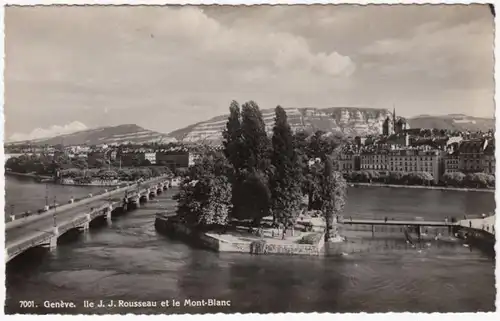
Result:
x=53 y=239
x=109 y=210
x=419 y=232
x=86 y=226
x=137 y=202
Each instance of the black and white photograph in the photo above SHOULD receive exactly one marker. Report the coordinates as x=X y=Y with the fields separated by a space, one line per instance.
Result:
x=202 y=159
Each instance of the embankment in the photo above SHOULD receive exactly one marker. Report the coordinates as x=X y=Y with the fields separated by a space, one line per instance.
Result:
x=438 y=188
x=227 y=243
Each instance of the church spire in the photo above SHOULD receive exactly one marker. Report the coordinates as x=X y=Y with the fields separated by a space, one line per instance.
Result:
x=393 y=113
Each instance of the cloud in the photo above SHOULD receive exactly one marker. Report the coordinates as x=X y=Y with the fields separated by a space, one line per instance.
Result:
x=283 y=50
x=166 y=67
x=49 y=132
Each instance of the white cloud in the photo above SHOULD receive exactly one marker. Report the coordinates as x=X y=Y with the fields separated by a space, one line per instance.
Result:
x=167 y=67
x=281 y=49
x=49 y=132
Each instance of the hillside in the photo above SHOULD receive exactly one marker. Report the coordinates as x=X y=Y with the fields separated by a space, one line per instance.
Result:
x=351 y=121
x=452 y=122
x=121 y=134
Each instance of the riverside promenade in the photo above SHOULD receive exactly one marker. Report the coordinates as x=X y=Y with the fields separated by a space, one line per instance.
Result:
x=44 y=229
x=437 y=188
x=486 y=224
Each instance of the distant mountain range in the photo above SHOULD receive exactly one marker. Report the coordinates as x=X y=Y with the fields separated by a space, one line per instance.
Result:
x=350 y=121
x=121 y=134
x=452 y=122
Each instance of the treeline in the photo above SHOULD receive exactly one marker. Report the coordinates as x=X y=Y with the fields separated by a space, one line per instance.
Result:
x=398 y=178
x=257 y=176
x=454 y=179
x=470 y=180
x=79 y=168
x=128 y=174
x=28 y=164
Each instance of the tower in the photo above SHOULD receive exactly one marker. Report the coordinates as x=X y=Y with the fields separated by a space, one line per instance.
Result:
x=393 y=116
x=387 y=127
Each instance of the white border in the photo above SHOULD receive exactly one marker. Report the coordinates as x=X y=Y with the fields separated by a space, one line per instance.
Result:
x=281 y=316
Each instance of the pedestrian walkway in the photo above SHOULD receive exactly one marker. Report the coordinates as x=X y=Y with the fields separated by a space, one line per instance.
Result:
x=484 y=224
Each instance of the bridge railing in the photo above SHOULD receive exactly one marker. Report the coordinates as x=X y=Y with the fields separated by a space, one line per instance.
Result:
x=83 y=201
x=347 y=218
x=79 y=221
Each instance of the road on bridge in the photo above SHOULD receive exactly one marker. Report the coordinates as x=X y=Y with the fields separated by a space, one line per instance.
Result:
x=45 y=224
x=26 y=228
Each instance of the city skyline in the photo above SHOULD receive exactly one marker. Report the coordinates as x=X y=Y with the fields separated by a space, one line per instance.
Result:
x=165 y=68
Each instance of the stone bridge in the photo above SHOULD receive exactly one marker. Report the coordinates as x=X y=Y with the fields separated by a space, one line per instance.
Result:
x=45 y=228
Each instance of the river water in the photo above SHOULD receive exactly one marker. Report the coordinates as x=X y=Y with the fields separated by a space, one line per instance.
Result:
x=130 y=261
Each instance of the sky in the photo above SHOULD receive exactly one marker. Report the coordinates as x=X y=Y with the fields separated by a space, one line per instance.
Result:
x=163 y=68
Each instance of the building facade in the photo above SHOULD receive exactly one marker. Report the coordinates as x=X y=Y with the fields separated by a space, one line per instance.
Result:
x=151 y=157
x=404 y=160
x=471 y=155
x=489 y=158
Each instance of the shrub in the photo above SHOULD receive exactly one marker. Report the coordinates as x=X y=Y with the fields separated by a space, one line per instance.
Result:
x=311 y=239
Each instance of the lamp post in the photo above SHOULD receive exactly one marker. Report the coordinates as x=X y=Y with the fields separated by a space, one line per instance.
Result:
x=55 y=210
x=46 y=195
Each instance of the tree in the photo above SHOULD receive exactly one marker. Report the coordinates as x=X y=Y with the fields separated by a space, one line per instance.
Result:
x=256 y=146
x=204 y=198
x=453 y=178
x=334 y=194
x=232 y=137
x=478 y=180
x=233 y=144
x=250 y=183
x=257 y=201
x=312 y=186
x=286 y=178
x=395 y=177
x=322 y=145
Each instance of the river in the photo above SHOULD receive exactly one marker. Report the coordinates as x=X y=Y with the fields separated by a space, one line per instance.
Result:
x=130 y=261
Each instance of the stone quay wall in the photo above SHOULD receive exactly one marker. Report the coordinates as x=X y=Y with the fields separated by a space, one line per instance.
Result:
x=218 y=243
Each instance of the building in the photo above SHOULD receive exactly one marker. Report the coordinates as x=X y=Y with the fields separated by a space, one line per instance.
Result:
x=394 y=125
x=388 y=127
x=347 y=162
x=471 y=155
x=452 y=162
x=400 y=126
x=173 y=159
x=360 y=141
x=373 y=160
x=452 y=157
x=405 y=160
x=96 y=159
x=489 y=158
x=151 y=157
x=131 y=158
